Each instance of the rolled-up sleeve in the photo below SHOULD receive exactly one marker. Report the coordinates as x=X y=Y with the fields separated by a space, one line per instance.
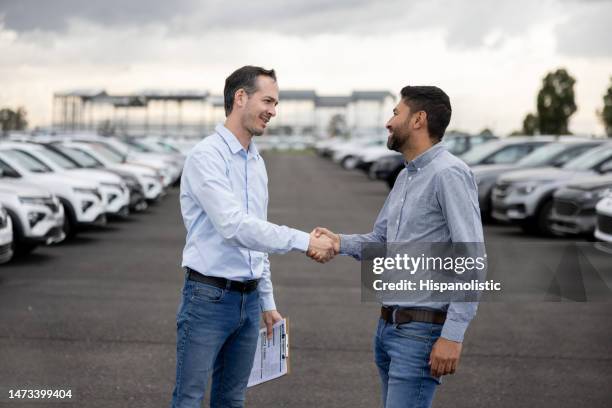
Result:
x=210 y=187
x=457 y=194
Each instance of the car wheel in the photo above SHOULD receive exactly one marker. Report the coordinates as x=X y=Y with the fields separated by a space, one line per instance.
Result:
x=543 y=219
x=70 y=222
x=19 y=247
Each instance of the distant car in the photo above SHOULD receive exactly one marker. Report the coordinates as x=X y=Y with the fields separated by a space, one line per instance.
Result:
x=6 y=236
x=603 y=229
x=347 y=154
x=573 y=209
x=138 y=201
x=81 y=199
x=149 y=178
x=553 y=154
x=36 y=215
x=503 y=151
x=460 y=143
x=115 y=194
x=524 y=197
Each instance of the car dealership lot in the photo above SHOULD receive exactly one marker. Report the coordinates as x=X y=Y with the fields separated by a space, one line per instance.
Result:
x=96 y=315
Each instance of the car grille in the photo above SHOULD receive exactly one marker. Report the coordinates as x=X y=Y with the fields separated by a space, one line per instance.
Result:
x=604 y=223
x=562 y=207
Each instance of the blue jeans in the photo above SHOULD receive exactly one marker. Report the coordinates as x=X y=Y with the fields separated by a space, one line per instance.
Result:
x=217 y=331
x=402 y=356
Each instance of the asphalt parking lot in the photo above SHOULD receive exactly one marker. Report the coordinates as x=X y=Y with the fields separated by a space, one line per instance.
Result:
x=96 y=315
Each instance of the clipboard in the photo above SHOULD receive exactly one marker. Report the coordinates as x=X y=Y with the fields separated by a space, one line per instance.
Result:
x=271 y=358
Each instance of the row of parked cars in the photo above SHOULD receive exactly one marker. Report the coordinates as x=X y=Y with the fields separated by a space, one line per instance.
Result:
x=547 y=185
x=51 y=187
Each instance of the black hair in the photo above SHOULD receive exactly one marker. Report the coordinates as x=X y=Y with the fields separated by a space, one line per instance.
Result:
x=435 y=102
x=243 y=78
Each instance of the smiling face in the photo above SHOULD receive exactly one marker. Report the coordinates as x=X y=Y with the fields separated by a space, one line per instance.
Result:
x=399 y=127
x=260 y=106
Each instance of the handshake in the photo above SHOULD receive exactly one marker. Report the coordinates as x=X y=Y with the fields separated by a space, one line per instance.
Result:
x=324 y=245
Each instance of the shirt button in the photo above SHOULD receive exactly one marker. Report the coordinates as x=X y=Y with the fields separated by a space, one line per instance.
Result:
x=419 y=169
x=409 y=178
x=402 y=200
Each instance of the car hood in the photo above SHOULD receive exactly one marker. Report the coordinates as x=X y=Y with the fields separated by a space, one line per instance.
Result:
x=592 y=183
x=62 y=179
x=544 y=173
x=96 y=175
x=20 y=187
x=139 y=169
x=491 y=170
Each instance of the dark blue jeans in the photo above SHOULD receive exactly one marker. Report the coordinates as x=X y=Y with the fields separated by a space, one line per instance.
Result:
x=217 y=331
x=402 y=356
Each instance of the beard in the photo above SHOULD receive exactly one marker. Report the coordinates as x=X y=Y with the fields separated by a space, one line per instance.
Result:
x=248 y=124
x=395 y=143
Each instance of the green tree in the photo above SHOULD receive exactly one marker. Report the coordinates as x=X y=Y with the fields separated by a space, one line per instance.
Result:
x=556 y=102
x=13 y=120
x=531 y=124
x=606 y=113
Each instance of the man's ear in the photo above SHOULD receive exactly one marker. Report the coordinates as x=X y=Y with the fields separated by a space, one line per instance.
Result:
x=420 y=120
x=240 y=98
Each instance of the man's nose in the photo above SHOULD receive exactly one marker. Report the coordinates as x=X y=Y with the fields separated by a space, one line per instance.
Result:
x=272 y=111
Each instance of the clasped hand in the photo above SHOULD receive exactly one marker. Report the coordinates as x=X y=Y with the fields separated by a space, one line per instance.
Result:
x=324 y=245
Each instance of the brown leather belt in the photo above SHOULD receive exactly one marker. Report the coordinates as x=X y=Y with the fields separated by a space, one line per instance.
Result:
x=243 y=287
x=401 y=315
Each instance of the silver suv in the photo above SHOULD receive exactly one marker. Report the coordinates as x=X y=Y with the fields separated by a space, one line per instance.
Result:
x=524 y=197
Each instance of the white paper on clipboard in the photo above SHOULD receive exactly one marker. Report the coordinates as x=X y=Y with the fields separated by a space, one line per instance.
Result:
x=272 y=356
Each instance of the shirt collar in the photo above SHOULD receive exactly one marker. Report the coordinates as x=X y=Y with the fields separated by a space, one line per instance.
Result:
x=232 y=141
x=425 y=158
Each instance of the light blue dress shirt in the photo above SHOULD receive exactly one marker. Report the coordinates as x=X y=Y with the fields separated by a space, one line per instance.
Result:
x=224 y=202
x=435 y=199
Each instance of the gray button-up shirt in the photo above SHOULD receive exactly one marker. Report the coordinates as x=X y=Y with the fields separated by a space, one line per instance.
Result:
x=435 y=199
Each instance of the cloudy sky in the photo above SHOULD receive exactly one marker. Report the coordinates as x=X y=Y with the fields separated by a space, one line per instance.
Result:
x=489 y=56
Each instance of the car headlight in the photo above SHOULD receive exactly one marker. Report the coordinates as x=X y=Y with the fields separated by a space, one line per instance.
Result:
x=598 y=194
x=32 y=200
x=526 y=188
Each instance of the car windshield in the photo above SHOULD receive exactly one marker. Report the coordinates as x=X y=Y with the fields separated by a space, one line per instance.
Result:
x=139 y=147
x=107 y=153
x=82 y=158
x=543 y=155
x=58 y=159
x=589 y=159
x=29 y=162
x=480 y=152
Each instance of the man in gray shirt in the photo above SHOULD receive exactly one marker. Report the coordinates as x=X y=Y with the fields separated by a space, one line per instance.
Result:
x=435 y=199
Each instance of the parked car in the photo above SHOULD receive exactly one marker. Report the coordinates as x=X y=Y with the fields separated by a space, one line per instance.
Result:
x=573 y=209
x=504 y=151
x=115 y=194
x=460 y=143
x=138 y=201
x=553 y=154
x=170 y=167
x=81 y=199
x=524 y=197
x=36 y=215
x=603 y=228
x=6 y=236
x=347 y=154
x=149 y=179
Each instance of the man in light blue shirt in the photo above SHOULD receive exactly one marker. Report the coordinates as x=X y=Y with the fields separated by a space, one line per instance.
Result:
x=224 y=202
x=435 y=199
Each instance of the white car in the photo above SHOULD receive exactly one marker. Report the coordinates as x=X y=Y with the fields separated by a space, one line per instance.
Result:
x=6 y=236
x=149 y=179
x=346 y=154
x=603 y=229
x=115 y=194
x=36 y=215
x=121 y=152
x=82 y=201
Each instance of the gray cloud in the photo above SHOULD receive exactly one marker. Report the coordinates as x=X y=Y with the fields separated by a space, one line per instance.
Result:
x=466 y=24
